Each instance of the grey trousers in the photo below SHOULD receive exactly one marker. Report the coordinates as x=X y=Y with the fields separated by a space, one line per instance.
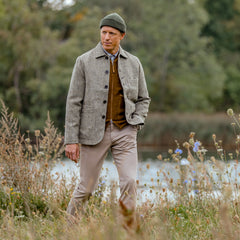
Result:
x=123 y=145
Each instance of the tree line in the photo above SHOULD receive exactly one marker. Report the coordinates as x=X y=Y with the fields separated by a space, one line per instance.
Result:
x=190 y=51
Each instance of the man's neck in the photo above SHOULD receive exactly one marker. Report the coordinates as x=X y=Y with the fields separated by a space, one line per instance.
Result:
x=111 y=53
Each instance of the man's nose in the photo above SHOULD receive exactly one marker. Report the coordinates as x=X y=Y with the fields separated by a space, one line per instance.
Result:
x=107 y=36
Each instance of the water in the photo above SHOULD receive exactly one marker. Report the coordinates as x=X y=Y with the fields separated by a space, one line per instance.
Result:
x=155 y=178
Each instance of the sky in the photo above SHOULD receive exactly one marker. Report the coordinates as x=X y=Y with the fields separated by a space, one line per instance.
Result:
x=58 y=4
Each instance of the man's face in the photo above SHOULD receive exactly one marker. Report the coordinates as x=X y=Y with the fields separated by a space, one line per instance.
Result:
x=110 y=39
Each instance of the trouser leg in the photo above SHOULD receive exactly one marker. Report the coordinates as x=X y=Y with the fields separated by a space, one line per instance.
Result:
x=124 y=151
x=91 y=161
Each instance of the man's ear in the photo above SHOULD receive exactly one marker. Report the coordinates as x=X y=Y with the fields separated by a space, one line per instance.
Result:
x=123 y=35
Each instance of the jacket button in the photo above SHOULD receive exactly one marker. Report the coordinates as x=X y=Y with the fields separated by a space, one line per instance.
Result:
x=106 y=86
x=106 y=71
x=103 y=116
x=106 y=57
x=104 y=101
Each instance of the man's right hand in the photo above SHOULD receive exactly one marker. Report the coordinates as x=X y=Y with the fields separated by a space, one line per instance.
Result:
x=72 y=151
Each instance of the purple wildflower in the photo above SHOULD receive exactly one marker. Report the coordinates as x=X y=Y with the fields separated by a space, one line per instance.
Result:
x=196 y=146
x=178 y=151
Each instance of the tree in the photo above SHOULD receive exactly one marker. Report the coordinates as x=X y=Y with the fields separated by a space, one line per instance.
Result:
x=182 y=73
x=24 y=51
x=223 y=28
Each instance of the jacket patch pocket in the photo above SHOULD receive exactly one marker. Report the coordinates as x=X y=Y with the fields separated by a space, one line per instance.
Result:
x=87 y=123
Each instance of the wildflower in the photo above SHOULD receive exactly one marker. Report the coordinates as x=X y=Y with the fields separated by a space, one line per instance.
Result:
x=159 y=157
x=196 y=191
x=194 y=179
x=204 y=151
x=178 y=151
x=185 y=181
x=230 y=112
x=184 y=161
x=196 y=146
x=103 y=182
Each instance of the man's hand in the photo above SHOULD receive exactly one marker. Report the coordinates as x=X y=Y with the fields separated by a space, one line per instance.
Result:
x=72 y=152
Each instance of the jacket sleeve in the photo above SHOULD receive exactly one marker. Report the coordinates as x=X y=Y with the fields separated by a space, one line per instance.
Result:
x=143 y=101
x=74 y=104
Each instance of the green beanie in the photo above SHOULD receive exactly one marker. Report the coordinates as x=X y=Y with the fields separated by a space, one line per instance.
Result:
x=114 y=20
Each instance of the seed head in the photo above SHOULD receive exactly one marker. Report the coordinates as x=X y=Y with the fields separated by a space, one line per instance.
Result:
x=192 y=134
x=214 y=137
x=37 y=133
x=170 y=151
x=191 y=141
x=230 y=112
x=186 y=145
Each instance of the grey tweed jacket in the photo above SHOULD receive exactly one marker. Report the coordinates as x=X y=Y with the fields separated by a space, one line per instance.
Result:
x=88 y=94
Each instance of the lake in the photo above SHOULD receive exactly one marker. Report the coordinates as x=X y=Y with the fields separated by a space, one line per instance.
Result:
x=156 y=178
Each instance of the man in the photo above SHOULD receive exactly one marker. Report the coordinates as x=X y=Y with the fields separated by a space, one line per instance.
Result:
x=107 y=104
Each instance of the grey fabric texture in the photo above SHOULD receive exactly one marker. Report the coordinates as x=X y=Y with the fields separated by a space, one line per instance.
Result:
x=88 y=92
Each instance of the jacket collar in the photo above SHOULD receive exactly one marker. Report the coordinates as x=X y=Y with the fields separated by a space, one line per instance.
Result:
x=98 y=51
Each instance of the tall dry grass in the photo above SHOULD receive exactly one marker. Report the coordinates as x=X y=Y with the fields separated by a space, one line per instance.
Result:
x=33 y=201
x=27 y=185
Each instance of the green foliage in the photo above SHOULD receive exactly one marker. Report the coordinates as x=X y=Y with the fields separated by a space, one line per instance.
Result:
x=189 y=51
x=27 y=49
x=223 y=28
x=221 y=13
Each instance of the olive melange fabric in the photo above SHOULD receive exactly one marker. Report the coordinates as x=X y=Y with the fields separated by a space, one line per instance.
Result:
x=114 y=20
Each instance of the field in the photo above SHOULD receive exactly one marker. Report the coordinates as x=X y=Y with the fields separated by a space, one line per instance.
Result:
x=33 y=201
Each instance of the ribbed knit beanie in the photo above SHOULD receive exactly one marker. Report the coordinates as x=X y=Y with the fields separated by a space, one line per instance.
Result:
x=114 y=20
